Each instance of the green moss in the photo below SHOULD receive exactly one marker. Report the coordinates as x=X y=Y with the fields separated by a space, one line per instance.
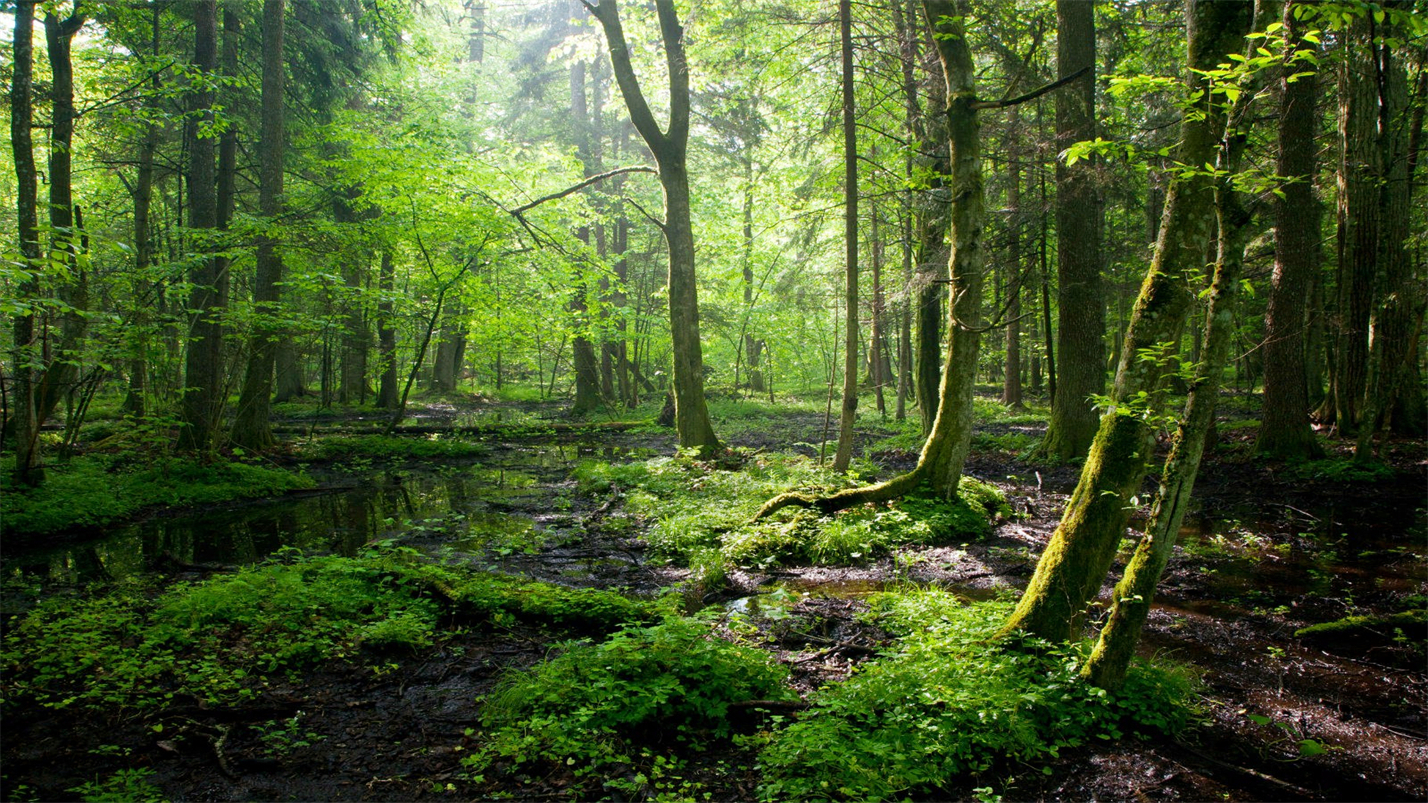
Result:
x=389 y=446
x=696 y=508
x=222 y=640
x=1355 y=626
x=96 y=490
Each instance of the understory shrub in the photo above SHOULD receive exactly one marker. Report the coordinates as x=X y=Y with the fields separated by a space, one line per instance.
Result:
x=220 y=640
x=951 y=703
x=696 y=508
x=596 y=704
x=94 y=490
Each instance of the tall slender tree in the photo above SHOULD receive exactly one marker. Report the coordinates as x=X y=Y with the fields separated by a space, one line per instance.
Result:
x=26 y=424
x=670 y=149
x=849 y=409
x=202 y=394
x=1285 y=430
x=1081 y=317
x=250 y=427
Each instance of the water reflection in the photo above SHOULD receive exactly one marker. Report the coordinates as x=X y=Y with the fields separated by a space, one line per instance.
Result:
x=469 y=507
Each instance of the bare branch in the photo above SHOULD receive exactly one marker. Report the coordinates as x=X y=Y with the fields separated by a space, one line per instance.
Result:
x=1032 y=95
x=582 y=185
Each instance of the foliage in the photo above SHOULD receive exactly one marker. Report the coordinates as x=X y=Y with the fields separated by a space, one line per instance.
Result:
x=221 y=639
x=952 y=703
x=593 y=704
x=128 y=786
x=95 y=490
x=697 y=508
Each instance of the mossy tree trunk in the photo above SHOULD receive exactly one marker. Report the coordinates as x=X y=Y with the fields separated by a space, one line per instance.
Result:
x=1075 y=562
x=202 y=397
x=27 y=470
x=1115 y=647
x=940 y=465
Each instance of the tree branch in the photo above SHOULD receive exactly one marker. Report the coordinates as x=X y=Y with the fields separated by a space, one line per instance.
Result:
x=582 y=185
x=1032 y=95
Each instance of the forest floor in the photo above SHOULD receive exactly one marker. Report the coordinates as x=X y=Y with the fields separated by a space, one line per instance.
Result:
x=1268 y=550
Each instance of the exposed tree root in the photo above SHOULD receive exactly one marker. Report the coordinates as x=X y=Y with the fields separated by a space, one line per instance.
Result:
x=848 y=497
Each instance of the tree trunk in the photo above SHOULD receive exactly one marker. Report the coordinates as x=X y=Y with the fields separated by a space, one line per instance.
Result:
x=1360 y=173
x=27 y=470
x=583 y=357
x=1115 y=647
x=939 y=467
x=202 y=397
x=1399 y=301
x=250 y=428
x=1285 y=431
x=1075 y=562
x=1011 y=379
x=386 y=335
x=137 y=338
x=1081 y=305
x=66 y=228
x=669 y=148
x=849 y=408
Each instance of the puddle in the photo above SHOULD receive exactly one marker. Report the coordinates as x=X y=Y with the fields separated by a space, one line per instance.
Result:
x=513 y=501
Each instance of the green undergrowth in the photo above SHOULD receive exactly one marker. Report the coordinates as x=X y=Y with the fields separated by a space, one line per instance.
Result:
x=94 y=490
x=1340 y=469
x=416 y=447
x=633 y=700
x=137 y=646
x=701 y=514
x=950 y=705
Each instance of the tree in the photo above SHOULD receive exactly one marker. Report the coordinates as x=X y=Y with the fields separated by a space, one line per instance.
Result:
x=203 y=374
x=250 y=427
x=1081 y=323
x=26 y=428
x=1285 y=431
x=849 y=408
x=1075 y=562
x=939 y=466
x=670 y=149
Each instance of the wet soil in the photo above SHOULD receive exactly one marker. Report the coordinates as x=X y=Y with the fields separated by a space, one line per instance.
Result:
x=1264 y=554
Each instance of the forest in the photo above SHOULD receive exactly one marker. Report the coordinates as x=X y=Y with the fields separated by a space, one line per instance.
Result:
x=714 y=400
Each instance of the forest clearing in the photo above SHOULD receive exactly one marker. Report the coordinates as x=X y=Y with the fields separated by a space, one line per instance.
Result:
x=717 y=400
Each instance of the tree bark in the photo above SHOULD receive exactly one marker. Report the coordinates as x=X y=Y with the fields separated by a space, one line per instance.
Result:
x=692 y=423
x=251 y=429
x=1081 y=315
x=849 y=408
x=1115 y=647
x=1360 y=173
x=1399 y=301
x=1285 y=431
x=202 y=398
x=1074 y=565
x=27 y=471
